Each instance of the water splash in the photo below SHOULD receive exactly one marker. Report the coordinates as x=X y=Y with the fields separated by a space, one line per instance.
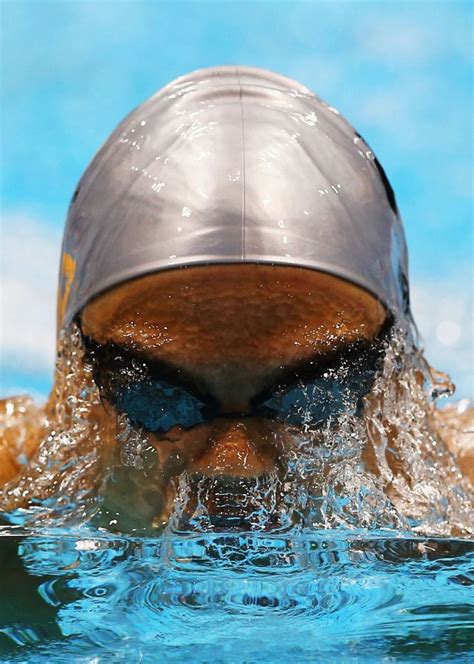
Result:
x=388 y=467
x=63 y=476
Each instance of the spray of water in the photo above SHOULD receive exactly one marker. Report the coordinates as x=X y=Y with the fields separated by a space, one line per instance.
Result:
x=62 y=478
x=387 y=467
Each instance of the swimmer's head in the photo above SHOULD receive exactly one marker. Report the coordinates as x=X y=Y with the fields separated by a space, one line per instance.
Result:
x=233 y=256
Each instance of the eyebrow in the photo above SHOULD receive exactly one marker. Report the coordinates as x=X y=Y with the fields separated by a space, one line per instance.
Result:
x=156 y=369
x=306 y=371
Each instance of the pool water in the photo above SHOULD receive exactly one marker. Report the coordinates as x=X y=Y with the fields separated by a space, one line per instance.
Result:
x=332 y=596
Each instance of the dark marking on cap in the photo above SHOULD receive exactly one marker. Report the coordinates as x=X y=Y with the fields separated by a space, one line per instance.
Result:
x=75 y=195
x=386 y=184
x=405 y=291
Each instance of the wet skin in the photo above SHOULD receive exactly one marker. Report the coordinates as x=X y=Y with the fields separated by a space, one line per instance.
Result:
x=228 y=333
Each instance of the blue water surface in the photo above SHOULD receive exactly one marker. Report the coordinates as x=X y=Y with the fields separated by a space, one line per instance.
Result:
x=328 y=596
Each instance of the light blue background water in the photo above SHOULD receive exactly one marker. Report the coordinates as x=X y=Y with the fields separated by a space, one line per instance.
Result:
x=399 y=71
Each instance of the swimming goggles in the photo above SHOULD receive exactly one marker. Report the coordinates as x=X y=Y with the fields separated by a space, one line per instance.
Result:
x=158 y=397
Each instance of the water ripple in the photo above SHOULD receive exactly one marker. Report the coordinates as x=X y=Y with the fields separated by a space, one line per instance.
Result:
x=242 y=596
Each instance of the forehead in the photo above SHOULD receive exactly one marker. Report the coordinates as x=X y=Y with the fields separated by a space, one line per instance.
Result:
x=233 y=314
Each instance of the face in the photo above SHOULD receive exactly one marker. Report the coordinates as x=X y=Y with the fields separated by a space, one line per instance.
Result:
x=219 y=367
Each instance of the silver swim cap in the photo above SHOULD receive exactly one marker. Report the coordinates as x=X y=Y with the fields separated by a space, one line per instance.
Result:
x=233 y=165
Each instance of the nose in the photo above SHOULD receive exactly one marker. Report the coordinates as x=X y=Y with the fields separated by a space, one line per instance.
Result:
x=236 y=449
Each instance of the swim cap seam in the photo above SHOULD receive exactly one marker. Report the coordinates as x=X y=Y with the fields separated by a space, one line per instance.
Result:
x=243 y=165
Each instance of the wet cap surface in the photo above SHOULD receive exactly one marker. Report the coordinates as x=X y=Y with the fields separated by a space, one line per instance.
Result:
x=232 y=165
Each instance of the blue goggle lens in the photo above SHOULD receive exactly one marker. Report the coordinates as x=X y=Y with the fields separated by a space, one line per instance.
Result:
x=158 y=406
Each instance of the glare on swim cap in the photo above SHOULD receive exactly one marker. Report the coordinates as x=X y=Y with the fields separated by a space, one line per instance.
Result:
x=233 y=165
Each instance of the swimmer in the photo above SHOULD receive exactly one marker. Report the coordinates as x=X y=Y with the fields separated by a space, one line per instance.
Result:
x=233 y=272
